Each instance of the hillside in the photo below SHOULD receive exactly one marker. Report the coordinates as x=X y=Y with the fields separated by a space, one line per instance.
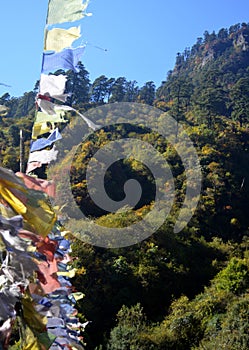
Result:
x=186 y=290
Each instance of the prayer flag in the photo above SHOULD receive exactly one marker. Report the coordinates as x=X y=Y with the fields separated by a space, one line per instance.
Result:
x=46 y=106
x=34 y=206
x=71 y=273
x=38 y=184
x=58 y=39
x=53 y=85
x=43 y=143
x=44 y=156
x=60 y=11
x=32 y=166
x=87 y=120
x=40 y=128
x=66 y=59
x=35 y=321
x=57 y=118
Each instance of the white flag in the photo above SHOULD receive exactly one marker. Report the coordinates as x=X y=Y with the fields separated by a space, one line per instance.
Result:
x=53 y=85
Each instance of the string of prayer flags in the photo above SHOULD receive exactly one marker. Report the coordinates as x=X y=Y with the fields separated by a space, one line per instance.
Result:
x=45 y=307
x=60 y=11
x=57 y=39
x=34 y=272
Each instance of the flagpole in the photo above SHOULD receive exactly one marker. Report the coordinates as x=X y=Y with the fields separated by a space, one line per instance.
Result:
x=21 y=152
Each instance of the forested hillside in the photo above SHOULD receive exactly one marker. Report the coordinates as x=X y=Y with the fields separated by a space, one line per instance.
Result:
x=186 y=290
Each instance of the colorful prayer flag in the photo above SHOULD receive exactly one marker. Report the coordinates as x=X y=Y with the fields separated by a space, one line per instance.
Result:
x=34 y=206
x=43 y=143
x=53 y=85
x=60 y=11
x=58 y=39
x=44 y=156
x=66 y=59
x=40 y=128
x=58 y=117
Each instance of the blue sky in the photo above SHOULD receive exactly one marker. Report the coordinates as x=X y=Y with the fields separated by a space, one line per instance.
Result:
x=142 y=37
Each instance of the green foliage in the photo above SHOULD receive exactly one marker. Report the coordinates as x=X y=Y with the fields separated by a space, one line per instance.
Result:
x=231 y=331
x=239 y=99
x=147 y=93
x=126 y=335
x=235 y=277
x=101 y=89
x=218 y=318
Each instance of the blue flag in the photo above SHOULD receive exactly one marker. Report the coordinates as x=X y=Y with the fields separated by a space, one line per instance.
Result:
x=65 y=59
x=43 y=143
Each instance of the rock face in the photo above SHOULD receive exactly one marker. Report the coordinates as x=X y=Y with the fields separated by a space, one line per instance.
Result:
x=240 y=42
x=209 y=56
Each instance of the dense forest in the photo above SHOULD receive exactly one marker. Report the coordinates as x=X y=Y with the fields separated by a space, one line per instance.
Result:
x=186 y=290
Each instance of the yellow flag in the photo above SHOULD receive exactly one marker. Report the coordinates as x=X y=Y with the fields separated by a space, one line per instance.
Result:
x=40 y=128
x=71 y=273
x=58 y=117
x=78 y=295
x=30 y=342
x=35 y=341
x=33 y=324
x=35 y=321
x=58 y=39
x=34 y=206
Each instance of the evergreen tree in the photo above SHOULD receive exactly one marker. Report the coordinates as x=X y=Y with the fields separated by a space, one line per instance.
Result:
x=99 y=89
x=118 y=90
x=131 y=91
x=147 y=93
x=78 y=86
x=240 y=101
x=26 y=104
